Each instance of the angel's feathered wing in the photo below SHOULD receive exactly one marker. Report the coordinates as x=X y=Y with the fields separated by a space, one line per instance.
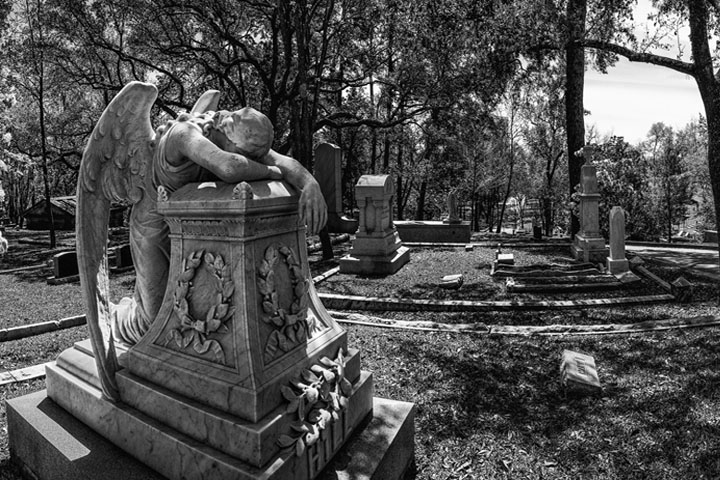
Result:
x=112 y=169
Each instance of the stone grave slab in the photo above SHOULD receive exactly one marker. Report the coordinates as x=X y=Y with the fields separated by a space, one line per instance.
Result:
x=578 y=373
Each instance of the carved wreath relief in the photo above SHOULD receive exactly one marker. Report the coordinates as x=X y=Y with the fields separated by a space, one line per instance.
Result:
x=289 y=326
x=203 y=303
x=319 y=400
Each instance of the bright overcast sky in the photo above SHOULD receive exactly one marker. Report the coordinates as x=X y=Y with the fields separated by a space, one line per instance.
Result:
x=632 y=96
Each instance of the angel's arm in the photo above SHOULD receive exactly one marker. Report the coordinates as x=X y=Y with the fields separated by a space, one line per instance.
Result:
x=313 y=209
x=187 y=141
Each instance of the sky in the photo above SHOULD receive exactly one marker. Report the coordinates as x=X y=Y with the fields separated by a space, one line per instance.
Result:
x=632 y=96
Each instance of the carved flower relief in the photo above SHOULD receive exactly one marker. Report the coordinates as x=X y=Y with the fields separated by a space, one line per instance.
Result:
x=289 y=322
x=316 y=400
x=203 y=304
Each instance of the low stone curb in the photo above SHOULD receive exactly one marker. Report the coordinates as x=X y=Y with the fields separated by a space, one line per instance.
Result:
x=23 y=374
x=16 y=333
x=530 y=330
x=354 y=302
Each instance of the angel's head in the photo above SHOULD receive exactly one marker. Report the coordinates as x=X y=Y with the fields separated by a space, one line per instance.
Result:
x=245 y=131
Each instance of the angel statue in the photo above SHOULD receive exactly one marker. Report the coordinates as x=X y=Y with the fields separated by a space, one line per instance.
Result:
x=125 y=160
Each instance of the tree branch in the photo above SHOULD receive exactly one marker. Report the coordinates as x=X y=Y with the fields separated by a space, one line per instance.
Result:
x=651 y=58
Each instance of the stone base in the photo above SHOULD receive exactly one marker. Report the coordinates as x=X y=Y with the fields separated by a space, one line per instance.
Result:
x=433 y=232
x=49 y=443
x=589 y=249
x=618 y=267
x=375 y=265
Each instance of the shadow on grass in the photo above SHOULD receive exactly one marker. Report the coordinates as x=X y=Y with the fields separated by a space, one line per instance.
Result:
x=658 y=415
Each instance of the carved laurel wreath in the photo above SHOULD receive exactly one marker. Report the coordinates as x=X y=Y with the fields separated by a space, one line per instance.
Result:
x=194 y=331
x=290 y=326
x=317 y=398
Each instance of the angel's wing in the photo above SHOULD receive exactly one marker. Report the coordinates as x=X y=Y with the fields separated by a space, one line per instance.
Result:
x=207 y=101
x=112 y=169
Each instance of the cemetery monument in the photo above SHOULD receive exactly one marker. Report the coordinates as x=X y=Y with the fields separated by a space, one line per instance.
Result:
x=377 y=248
x=589 y=245
x=225 y=364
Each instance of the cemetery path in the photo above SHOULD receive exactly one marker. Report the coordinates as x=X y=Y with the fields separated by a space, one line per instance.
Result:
x=700 y=261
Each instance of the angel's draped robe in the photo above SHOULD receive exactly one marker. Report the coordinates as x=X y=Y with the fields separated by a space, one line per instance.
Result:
x=150 y=243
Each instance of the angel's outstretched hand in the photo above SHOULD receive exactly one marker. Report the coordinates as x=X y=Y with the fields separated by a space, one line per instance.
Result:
x=312 y=207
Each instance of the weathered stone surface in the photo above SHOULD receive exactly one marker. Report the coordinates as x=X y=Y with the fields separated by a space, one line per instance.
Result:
x=578 y=373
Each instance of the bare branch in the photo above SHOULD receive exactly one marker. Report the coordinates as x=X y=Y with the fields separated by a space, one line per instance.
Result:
x=642 y=57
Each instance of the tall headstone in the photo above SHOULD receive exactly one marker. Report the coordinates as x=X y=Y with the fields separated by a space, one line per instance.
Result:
x=589 y=245
x=328 y=173
x=377 y=249
x=617 y=263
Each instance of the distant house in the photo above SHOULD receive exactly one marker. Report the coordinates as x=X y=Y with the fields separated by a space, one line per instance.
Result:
x=63 y=212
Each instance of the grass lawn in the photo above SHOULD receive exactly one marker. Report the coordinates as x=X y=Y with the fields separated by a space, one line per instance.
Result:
x=490 y=406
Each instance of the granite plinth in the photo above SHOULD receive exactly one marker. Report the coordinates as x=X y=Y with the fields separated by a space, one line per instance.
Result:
x=433 y=231
x=49 y=443
x=375 y=264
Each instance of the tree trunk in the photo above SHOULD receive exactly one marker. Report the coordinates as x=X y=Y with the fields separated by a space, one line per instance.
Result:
x=574 y=108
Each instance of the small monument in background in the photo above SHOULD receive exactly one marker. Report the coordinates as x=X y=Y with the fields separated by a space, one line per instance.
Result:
x=617 y=264
x=589 y=245
x=377 y=249
x=450 y=230
x=452 y=209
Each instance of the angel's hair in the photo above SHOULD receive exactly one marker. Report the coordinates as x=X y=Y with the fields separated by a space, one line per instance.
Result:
x=249 y=130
